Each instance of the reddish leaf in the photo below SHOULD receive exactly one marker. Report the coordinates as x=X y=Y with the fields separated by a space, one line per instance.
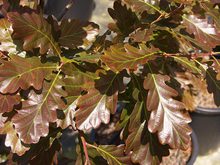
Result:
x=145 y=146
x=23 y=73
x=74 y=83
x=7 y=102
x=32 y=121
x=101 y=100
x=166 y=117
x=205 y=33
x=7 y=44
x=12 y=139
x=34 y=30
x=74 y=33
x=120 y=57
x=94 y=108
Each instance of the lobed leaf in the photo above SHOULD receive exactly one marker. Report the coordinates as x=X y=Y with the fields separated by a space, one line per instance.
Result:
x=22 y=73
x=74 y=33
x=32 y=121
x=213 y=84
x=34 y=30
x=12 y=139
x=143 y=5
x=205 y=33
x=7 y=102
x=119 y=57
x=113 y=154
x=7 y=44
x=166 y=117
x=145 y=146
x=101 y=100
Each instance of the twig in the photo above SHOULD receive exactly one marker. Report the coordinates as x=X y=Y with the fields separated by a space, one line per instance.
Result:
x=87 y=162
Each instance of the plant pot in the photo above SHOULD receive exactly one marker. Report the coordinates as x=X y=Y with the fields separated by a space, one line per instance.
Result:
x=195 y=149
x=81 y=9
x=206 y=125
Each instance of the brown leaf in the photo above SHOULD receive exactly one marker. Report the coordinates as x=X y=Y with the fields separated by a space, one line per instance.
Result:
x=205 y=33
x=75 y=32
x=166 y=117
x=12 y=139
x=7 y=102
x=119 y=57
x=32 y=121
x=23 y=73
x=34 y=30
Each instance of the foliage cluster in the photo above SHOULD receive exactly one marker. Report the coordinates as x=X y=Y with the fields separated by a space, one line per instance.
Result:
x=56 y=74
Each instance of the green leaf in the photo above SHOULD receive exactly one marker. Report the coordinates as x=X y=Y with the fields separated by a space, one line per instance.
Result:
x=75 y=33
x=7 y=102
x=34 y=30
x=22 y=73
x=113 y=154
x=187 y=63
x=119 y=57
x=12 y=139
x=32 y=120
x=166 y=117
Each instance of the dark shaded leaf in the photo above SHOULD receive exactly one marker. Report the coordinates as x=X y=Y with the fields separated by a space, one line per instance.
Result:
x=125 y=19
x=49 y=156
x=12 y=139
x=32 y=121
x=34 y=30
x=213 y=85
x=23 y=73
x=7 y=102
x=119 y=57
x=166 y=117
x=74 y=33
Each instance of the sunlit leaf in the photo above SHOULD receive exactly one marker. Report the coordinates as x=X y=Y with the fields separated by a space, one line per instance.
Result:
x=145 y=146
x=5 y=37
x=34 y=30
x=113 y=154
x=12 y=139
x=166 y=117
x=22 y=73
x=32 y=120
x=100 y=101
x=119 y=57
x=205 y=33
